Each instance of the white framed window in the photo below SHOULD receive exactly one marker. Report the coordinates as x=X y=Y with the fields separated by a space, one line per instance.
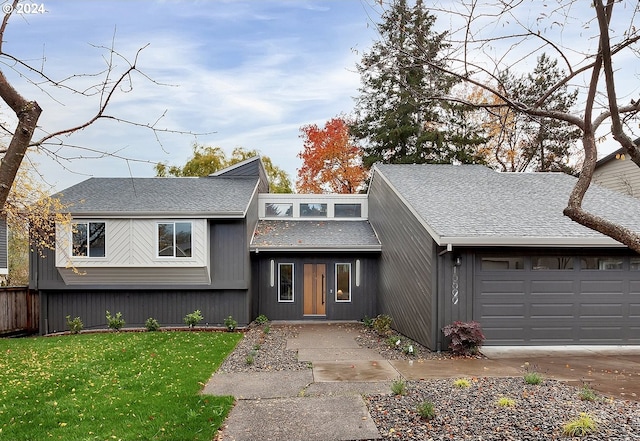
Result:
x=88 y=239
x=285 y=282
x=343 y=282
x=174 y=239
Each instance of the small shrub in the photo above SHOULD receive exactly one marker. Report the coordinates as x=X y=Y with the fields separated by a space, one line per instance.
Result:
x=368 y=321
x=587 y=394
x=230 y=323
x=408 y=349
x=261 y=319
x=266 y=329
x=399 y=386
x=382 y=325
x=193 y=319
x=584 y=425
x=256 y=347
x=394 y=341
x=115 y=322
x=466 y=337
x=532 y=378
x=506 y=402
x=426 y=410
x=151 y=324
x=249 y=360
x=75 y=325
x=462 y=383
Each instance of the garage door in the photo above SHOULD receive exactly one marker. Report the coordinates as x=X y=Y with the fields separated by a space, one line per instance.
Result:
x=557 y=300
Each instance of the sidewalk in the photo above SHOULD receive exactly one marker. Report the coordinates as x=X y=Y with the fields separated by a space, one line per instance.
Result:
x=325 y=402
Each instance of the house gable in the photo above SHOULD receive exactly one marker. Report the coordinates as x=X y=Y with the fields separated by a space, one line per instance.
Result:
x=619 y=173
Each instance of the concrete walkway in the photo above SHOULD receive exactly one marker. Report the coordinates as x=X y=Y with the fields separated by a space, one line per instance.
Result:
x=325 y=402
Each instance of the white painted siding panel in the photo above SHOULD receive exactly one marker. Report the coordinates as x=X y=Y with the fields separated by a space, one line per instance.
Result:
x=132 y=243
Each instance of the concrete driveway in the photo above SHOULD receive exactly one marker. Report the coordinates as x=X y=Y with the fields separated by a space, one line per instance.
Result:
x=611 y=370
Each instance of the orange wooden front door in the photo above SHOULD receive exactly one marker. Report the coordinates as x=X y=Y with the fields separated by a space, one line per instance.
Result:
x=315 y=288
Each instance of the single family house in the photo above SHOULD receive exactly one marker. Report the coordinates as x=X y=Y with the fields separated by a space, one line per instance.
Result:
x=428 y=245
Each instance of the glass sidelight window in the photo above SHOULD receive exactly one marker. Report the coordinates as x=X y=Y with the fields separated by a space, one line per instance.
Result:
x=285 y=282
x=343 y=282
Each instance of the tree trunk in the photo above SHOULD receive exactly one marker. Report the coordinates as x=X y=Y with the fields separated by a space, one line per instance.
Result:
x=28 y=113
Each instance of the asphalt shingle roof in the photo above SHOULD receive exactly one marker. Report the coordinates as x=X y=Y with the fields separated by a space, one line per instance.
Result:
x=476 y=204
x=308 y=234
x=179 y=196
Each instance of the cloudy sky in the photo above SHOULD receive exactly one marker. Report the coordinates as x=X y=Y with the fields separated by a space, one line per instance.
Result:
x=238 y=73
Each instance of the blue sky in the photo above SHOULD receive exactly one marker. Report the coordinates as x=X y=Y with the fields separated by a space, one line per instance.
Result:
x=241 y=73
x=253 y=72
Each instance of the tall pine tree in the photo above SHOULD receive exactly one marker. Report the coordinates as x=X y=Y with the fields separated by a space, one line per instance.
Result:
x=397 y=119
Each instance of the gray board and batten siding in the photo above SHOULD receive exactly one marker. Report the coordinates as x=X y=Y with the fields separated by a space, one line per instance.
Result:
x=224 y=205
x=227 y=294
x=460 y=215
x=408 y=264
x=363 y=297
x=325 y=242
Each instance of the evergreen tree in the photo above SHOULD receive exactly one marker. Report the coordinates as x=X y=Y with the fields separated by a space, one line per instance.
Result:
x=549 y=142
x=397 y=118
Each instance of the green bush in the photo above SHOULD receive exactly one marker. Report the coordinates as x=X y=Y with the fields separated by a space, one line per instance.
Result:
x=152 y=324
x=230 y=323
x=261 y=319
x=75 y=325
x=462 y=383
x=584 y=425
x=368 y=321
x=399 y=386
x=382 y=325
x=115 y=322
x=426 y=410
x=506 y=402
x=532 y=378
x=193 y=319
x=587 y=394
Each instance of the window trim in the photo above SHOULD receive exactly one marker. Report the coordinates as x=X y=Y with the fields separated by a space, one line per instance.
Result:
x=157 y=241
x=293 y=282
x=75 y=222
x=350 y=282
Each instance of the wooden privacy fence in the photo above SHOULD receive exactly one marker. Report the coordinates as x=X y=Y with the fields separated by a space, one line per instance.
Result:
x=19 y=310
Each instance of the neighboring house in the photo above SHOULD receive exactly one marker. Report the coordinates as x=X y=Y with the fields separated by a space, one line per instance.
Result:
x=428 y=245
x=618 y=172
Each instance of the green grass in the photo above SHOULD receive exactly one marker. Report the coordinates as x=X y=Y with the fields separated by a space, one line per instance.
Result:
x=115 y=386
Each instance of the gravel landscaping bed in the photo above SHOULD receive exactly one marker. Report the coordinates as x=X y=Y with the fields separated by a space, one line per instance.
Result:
x=538 y=412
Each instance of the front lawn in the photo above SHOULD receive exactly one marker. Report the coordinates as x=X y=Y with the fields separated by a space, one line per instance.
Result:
x=112 y=386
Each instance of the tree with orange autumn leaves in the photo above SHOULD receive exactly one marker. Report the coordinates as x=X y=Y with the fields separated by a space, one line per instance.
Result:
x=332 y=163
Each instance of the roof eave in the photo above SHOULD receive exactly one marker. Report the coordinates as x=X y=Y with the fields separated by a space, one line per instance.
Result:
x=548 y=242
x=371 y=248
x=157 y=215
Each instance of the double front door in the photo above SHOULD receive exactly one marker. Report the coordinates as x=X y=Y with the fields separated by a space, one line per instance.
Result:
x=315 y=289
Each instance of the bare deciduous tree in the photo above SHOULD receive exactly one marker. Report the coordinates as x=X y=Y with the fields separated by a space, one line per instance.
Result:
x=104 y=86
x=489 y=37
